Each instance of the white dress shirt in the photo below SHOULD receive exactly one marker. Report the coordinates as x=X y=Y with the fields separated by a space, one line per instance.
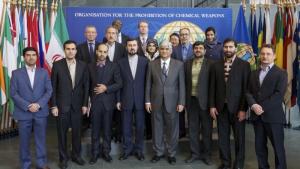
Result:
x=31 y=74
x=263 y=72
x=133 y=61
x=111 y=51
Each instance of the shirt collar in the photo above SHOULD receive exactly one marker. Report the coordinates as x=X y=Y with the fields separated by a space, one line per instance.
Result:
x=73 y=61
x=101 y=63
x=133 y=57
x=30 y=68
x=200 y=60
x=167 y=61
x=230 y=60
x=91 y=42
x=267 y=68
x=112 y=45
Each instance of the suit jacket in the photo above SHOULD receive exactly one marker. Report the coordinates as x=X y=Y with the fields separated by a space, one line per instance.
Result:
x=202 y=86
x=269 y=95
x=83 y=52
x=133 y=91
x=140 y=51
x=120 y=52
x=64 y=96
x=23 y=94
x=172 y=92
x=111 y=79
x=177 y=53
x=123 y=37
x=235 y=88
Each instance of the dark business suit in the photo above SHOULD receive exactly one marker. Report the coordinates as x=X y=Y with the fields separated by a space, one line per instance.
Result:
x=197 y=109
x=83 y=53
x=229 y=98
x=23 y=95
x=269 y=95
x=103 y=104
x=69 y=102
x=164 y=97
x=132 y=100
x=177 y=53
x=140 y=51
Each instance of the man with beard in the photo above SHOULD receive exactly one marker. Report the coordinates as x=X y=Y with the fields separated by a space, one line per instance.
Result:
x=131 y=100
x=212 y=46
x=105 y=81
x=227 y=102
x=197 y=82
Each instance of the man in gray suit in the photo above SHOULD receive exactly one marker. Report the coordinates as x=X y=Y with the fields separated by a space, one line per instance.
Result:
x=197 y=81
x=165 y=98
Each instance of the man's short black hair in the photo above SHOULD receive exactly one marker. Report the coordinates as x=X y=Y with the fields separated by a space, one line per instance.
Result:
x=29 y=49
x=69 y=42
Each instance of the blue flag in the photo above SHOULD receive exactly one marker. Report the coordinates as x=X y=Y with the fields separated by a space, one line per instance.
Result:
x=254 y=36
x=240 y=33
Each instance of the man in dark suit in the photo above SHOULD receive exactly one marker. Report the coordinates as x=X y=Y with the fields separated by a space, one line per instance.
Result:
x=105 y=81
x=165 y=99
x=131 y=100
x=86 y=53
x=227 y=102
x=265 y=97
x=116 y=51
x=197 y=82
x=69 y=101
x=143 y=28
x=31 y=90
x=86 y=50
x=183 y=52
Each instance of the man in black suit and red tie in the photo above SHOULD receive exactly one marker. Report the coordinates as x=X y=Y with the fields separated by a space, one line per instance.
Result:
x=227 y=102
x=265 y=96
x=70 y=82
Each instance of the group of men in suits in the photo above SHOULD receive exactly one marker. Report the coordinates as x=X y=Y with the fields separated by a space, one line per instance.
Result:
x=117 y=80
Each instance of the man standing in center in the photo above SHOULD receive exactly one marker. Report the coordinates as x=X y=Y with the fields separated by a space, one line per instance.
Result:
x=131 y=101
x=197 y=83
x=69 y=101
x=227 y=102
x=164 y=99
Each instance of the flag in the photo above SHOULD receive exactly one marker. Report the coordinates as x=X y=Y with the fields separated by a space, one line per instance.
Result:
x=277 y=39
x=2 y=83
x=254 y=36
x=58 y=36
x=20 y=61
x=267 y=27
x=9 y=56
x=47 y=30
x=240 y=33
x=260 y=31
x=297 y=40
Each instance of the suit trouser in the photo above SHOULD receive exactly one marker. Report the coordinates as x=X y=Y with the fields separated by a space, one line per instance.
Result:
x=199 y=122
x=127 y=118
x=72 y=119
x=148 y=125
x=273 y=131
x=117 y=125
x=225 y=120
x=39 y=126
x=182 y=123
x=101 y=119
x=168 y=122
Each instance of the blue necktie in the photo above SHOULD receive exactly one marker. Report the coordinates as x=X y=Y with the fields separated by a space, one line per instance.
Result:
x=184 y=53
x=91 y=50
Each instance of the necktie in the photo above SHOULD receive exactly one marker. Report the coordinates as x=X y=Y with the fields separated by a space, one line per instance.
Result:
x=184 y=53
x=164 y=71
x=91 y=50
x=144 y=44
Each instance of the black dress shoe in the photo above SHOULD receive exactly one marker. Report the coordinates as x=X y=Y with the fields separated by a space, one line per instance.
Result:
x=78 y=160
x=172 y=160
x=93 y=160
x=140 y=156
x=123 y=156
x=191 y=159
x=156 y=158
x=107 y=157
x=207 y=161
x=148 y=136
x=63 y=164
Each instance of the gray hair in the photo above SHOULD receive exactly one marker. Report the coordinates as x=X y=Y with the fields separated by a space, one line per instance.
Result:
x=167 y=44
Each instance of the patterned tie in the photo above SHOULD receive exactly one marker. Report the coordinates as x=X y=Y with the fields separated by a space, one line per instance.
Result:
x=164 y=71
x=144 y=44
x=184 y=53
x=91 y=50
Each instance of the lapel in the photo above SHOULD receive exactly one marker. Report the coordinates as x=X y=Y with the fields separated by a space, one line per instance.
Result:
x=116 y=54
x=127 y=66
x=256 y=78
x=86 y=50
x=234 y=68
x=203 y=69
x=189 y=70
x=158 y=69
x=78 y=72
x=267 y=77
x=66 y=69
x=107 y=68
x=36 y=77
x=26 y=77
x=171 y=70
x=138 y=68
